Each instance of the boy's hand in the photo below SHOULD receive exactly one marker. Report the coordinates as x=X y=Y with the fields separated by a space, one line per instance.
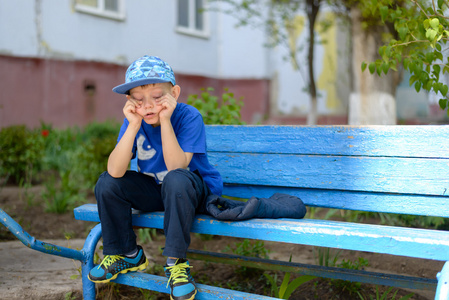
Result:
x=130 y=112
x=168 y=103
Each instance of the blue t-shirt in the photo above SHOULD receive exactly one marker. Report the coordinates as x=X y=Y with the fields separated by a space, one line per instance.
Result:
x=189 y=129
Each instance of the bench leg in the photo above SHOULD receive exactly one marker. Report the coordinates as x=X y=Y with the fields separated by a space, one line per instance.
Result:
x=89 y=251
x=443 y=283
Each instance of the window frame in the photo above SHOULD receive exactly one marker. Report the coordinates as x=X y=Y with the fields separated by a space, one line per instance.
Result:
x=100 y=10
x=191 y=29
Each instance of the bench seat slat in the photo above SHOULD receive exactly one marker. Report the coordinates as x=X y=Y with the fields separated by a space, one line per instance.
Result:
x=362 y=201
x=412 y=242
x=205 y=292
x=395 y=141
x=374 y=174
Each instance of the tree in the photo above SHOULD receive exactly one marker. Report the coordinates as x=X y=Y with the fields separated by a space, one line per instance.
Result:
x=373 y=98
x=277 y=17
x=422 y=32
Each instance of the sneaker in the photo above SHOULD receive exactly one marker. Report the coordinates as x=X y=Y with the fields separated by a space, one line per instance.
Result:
x=112 y=265
x=182 y=285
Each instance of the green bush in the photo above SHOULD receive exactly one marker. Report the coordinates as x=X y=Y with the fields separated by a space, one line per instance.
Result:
x=62 y=194
x=21 y=152
x=226 y=111
x=60 y=146
x=91 y=157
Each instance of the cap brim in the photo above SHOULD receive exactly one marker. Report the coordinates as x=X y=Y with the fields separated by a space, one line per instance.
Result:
x=124 y=88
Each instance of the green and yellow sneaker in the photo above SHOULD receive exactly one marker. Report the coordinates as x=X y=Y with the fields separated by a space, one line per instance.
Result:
x=182 y=285
x=112 y=265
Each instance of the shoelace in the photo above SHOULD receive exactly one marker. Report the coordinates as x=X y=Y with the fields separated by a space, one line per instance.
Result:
x=178 y=273
x=109 y=260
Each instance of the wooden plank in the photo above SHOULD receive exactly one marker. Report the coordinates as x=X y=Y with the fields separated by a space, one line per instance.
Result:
x=373 y=174
x=391 y=140
x=412 y=242
x=395 y=280
x=205 y=292
x=373 y=202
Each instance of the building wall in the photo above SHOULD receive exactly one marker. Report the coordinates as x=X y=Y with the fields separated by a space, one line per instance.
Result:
x=64 y=63
x=66 y=93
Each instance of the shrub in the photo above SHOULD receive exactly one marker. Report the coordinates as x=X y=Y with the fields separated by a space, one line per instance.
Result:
x=21 y=152
x=91 y=157
x=226 y=111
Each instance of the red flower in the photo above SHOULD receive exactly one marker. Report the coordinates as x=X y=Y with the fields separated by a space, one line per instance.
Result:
x=45 y=132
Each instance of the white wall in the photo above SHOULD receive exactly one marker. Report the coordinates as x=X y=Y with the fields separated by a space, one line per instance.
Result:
x=54 y=29
x=59 y=31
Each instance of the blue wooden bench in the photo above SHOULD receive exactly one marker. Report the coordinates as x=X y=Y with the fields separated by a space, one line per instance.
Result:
x=387 y=169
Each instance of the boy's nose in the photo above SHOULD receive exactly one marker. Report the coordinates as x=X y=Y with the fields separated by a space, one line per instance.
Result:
x=147 y=103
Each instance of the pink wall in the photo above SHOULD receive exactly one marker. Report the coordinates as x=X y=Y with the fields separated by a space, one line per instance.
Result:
x=66 y=93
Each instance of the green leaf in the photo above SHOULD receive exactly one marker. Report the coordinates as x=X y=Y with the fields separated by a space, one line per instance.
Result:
x=381 y=51
x=296 y=283
x=426 y=24
x=440 y=3
x=403 y=32
x=418 y=86
x=364 y=66
x=434 y=23
x=372 y=68
x=412 y=79
x=273 y=283
x=443 y=103
x=284 y=285
x=383 y=12
x=436 y=71
x=444 y=89
x=385 y=67
x=430 y=34
x=388 y=51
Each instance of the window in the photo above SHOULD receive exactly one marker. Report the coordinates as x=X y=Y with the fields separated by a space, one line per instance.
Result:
x=192 y=18
x=113 y=9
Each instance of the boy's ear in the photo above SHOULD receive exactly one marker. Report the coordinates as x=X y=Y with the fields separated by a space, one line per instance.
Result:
x=176 y=91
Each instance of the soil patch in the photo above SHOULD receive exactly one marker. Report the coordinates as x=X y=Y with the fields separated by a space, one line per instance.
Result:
x=28 y=208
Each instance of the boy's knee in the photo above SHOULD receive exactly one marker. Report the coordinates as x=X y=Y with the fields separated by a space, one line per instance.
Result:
x=177 y=177
x=105 y=183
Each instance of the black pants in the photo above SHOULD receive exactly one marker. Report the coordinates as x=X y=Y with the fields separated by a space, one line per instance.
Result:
x=180 y=196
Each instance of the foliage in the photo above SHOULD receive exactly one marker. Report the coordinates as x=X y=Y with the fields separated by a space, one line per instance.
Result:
x=422 y=31
x=251 y=249
x=215 y=111
x=279 y=20
x=91 y=156
x=74 y=158
x=61 y=196
x=60 y=145
x=385 y=294
x=326 y=258
x=21 y=151
x=286 y=288
x=146 y=235
x=350 y=286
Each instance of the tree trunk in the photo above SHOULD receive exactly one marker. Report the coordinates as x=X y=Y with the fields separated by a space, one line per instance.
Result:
x=313 y=8
x=372 y=101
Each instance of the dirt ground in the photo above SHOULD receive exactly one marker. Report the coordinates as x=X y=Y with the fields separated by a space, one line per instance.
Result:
x=27 y=209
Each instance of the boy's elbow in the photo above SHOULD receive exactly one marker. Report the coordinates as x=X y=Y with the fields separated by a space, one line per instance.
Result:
x=115 y=173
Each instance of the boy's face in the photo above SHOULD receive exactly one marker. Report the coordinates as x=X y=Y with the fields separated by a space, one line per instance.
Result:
x=147 y=101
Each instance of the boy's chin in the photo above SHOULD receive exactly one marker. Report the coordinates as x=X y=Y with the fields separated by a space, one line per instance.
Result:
x=152 y=123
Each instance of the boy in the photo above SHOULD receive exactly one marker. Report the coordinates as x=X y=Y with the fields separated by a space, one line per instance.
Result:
x=174 y=175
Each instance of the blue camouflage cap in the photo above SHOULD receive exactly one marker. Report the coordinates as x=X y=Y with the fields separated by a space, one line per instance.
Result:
x=146 y=70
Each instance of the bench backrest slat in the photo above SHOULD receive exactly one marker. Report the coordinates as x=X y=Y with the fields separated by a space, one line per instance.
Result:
x=408 y=141
x=345 y=164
